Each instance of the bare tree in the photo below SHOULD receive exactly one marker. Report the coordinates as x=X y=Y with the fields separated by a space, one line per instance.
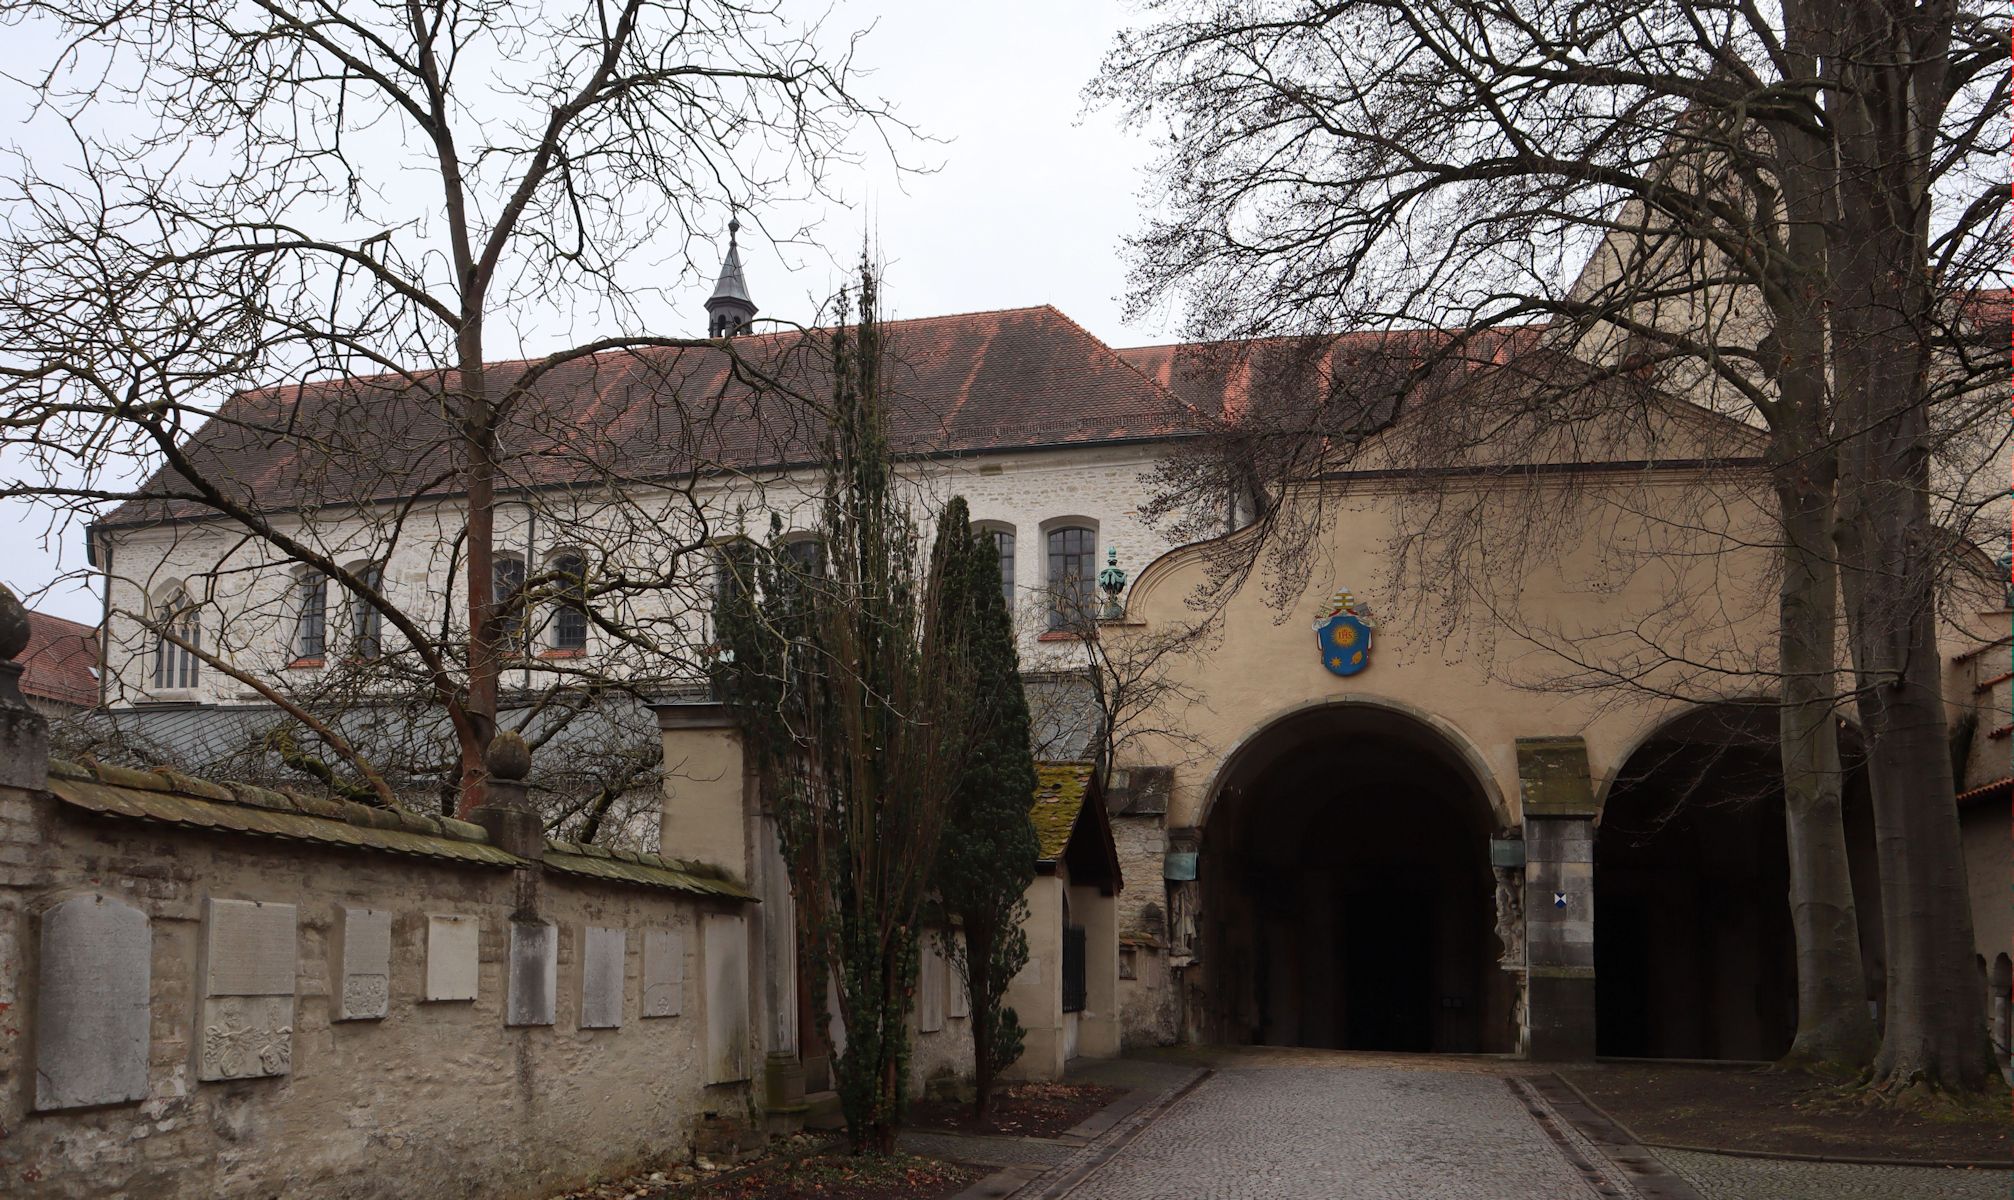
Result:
x=1400 y=168
x=282 y=296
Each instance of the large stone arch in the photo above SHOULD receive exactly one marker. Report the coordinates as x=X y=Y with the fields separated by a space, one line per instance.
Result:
x=1695 y=956
x=1342 y=894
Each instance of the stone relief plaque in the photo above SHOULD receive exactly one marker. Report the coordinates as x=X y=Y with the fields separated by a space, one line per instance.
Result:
x=92 y=1009
x=366 y=970
x=452 y=963
x=248 y=1006
x=958 y=1003
x=601 y=978
x=245 y=1037
x=533 y=989
x=663 y=972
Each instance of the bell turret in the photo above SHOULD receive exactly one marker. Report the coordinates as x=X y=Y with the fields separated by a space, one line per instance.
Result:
x=730 y=310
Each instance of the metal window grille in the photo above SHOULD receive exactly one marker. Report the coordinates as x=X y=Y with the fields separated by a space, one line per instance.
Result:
x=311 y=623
x=1073 y=968
x=366 y=622
x=1003 y=541
x=1072 y=550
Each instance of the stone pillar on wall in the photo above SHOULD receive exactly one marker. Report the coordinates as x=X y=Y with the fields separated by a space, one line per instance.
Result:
x=1098 y=1024
x=705 y=800
x=1559 y=812
x=24 y=770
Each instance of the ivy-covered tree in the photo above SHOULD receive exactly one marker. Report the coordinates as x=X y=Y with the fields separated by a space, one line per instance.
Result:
x=987 y=857
x=852 y=693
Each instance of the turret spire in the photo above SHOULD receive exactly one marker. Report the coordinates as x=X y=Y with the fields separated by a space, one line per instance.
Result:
x=730 y=310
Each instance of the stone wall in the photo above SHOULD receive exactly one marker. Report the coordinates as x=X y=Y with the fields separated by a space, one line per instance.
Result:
x=245 y=1012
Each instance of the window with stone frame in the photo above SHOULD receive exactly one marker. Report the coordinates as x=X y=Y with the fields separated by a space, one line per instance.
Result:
x=176 y=666
x=367 y=623
x=506 y=581
x=569 y=618
x=807 y=554
x=311 y=615
x=1003 y=541
x=1072 y=573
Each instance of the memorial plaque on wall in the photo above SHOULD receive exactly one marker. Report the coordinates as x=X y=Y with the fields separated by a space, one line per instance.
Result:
x=532 y=990
x=663 y=972
x=365 y=972
x=92 y=1004
x=249 y=958
x=601 y=978
x=930 y=987
x=453 y=965
x=724 y=961
x=959 y=1003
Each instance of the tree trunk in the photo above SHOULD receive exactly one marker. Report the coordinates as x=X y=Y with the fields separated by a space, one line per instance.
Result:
x=485 y=659
x=1833 y=1024
x=1881 y=83
x=978 y=1001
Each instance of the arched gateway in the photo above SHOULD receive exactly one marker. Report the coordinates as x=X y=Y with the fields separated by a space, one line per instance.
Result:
x=1344 y=891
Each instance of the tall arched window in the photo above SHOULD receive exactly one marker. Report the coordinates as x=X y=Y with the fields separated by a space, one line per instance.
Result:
x=806 y=553
x=506 y=581
x=311 y=615
x=367 y=623
x=1072 y=570
x=569 y=619
x=1003 y=543
x=176 y=666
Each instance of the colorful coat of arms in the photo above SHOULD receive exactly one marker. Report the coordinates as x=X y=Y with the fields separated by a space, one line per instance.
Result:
x=1344 y=635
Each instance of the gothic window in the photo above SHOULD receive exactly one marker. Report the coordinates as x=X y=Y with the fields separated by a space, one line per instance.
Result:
x=1003 y=541
x=507 y=580
x=367 y=623
x=176 y=666
x=311 y=615
x=1072 y=549
x=806 y=554
x=569 y=622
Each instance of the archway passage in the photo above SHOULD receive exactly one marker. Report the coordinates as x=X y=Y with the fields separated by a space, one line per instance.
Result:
x=1695 y=956
x=1347 y=900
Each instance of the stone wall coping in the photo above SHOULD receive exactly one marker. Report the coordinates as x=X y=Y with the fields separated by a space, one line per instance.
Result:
x=169 y=797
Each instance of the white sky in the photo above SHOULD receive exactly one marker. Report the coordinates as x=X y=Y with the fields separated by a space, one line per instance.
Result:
x=1029 y=207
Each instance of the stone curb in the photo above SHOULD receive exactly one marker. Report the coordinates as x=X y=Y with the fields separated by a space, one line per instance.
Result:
x=1851 y=1160
x=1098 y=1137
x=1064 y=1180
x=1641 y=1171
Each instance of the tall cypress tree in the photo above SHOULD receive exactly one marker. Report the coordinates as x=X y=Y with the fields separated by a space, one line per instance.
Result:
x=986 y=859
x=851 y=687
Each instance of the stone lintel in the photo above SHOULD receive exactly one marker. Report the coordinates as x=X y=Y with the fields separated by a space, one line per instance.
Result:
x=1553 y=778
x=693 y=714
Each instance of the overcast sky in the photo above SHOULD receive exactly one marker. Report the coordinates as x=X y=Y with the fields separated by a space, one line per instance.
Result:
x=1029 y=205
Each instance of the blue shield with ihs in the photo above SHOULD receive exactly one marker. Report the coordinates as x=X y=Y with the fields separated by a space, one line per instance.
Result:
x=1345 y=640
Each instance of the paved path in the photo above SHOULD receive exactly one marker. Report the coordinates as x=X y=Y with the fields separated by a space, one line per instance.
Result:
x=1343 y=1133
x=1321 y=1125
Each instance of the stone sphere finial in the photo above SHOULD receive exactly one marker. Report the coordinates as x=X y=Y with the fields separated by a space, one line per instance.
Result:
x=13 y=625
x=508 y=757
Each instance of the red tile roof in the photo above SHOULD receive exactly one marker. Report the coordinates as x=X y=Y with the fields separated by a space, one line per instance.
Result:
x=60 y=661
x=961 y=384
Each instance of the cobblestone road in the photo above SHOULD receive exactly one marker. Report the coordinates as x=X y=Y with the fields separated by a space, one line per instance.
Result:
x=1727 y=1177
x=1342 y=1133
